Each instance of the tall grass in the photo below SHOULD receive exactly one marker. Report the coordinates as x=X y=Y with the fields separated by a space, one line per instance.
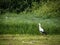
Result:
x=22 y=28
x=29 y=28
x=27 y=23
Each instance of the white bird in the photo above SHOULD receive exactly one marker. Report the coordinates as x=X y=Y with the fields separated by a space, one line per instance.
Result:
x=41 y=29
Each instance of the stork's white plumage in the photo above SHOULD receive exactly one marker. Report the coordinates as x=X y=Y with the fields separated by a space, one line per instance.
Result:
x=40 y=28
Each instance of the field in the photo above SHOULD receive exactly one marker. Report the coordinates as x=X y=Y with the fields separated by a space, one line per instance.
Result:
x=22 y=29
x=19 y=22
x=29 y=39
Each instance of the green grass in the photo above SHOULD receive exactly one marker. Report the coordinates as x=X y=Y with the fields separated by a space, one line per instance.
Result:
x=27 y=24
x=29 y=39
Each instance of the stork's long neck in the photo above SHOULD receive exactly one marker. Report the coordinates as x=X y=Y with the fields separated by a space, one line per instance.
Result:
x=39 y=25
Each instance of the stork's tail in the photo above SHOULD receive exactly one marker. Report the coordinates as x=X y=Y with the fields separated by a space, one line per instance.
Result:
x=44 y=33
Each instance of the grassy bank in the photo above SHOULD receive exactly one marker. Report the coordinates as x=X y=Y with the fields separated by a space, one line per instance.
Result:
x=29 y=40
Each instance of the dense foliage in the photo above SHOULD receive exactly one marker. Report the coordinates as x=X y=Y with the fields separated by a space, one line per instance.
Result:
x=16 y=5
x=28 y=5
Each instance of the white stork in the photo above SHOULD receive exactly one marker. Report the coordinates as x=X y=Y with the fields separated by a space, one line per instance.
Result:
x=41 y=29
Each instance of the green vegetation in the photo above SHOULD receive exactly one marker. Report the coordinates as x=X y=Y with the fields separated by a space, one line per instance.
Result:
x=23 y=16
x=27 y=24
x=19 y=22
